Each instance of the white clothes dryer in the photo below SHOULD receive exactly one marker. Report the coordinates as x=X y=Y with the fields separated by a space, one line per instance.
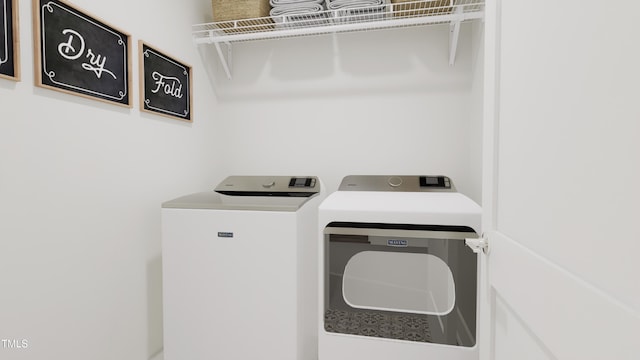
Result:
x=239 y=270
x=396 y=278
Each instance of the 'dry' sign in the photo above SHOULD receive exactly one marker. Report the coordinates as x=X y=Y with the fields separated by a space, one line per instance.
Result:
x=80 y=54
x=9 y=44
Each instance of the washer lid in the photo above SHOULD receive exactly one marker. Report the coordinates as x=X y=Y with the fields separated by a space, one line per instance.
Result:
x=258 y=193
x=215 y=201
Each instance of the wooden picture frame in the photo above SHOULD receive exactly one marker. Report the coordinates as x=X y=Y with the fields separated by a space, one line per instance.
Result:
x=79 y=54
x=9 y=40
x=165 y=84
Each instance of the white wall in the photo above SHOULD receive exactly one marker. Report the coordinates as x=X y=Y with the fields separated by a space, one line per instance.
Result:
x=81 y=184
x=382 y=102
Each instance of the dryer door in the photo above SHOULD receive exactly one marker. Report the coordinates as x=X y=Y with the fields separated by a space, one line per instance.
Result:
x=403 y=282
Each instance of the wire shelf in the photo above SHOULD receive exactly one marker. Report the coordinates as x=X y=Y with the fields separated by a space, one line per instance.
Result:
x=387 y=15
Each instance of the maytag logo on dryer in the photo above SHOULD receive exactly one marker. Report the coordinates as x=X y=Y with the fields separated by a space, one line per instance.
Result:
x=222 y=234
x=397 y=243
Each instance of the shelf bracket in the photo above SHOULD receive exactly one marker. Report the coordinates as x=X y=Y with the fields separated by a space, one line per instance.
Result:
x=454 y=34
x=225 y=57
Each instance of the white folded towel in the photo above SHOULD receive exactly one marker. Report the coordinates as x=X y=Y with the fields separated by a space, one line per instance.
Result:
x=275 y=3
x=342 y=4
x=357 y=11
x=304 y=14
x=296 y=9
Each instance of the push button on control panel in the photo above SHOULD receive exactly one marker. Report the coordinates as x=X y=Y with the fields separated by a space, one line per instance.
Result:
x=395 y=181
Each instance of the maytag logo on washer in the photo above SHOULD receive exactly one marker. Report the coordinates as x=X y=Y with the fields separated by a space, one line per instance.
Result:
x=222 y=234
x=397 y=243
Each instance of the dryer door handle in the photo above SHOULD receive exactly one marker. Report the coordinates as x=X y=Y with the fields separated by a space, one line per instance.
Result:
x=478 y=244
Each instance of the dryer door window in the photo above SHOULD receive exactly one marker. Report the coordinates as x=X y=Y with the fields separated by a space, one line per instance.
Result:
x=403 y=282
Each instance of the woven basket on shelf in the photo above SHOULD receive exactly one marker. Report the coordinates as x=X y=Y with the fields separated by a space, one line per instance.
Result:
x=225 y=12
x=422 y=8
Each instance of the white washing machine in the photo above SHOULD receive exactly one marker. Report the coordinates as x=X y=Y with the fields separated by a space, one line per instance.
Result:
x=396 y=278
x=239 y=270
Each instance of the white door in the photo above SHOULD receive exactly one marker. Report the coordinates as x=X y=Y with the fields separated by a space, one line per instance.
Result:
x=562 y=180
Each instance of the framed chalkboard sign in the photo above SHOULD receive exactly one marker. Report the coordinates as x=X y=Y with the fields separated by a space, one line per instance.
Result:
x=165 y=84
x=9 y=44
x=79 y=54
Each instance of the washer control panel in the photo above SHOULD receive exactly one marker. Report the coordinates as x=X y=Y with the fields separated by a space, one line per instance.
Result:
x=300 y=186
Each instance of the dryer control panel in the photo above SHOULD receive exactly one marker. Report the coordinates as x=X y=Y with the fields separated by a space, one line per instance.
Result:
x=402 y=183
x=435 y=182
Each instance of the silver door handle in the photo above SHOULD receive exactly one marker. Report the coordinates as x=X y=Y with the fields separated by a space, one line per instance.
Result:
x=478 y=244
